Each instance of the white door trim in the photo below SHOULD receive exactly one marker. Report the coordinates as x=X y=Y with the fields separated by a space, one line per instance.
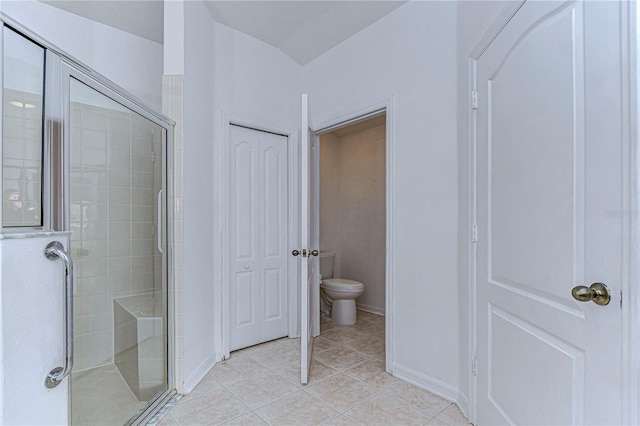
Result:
x=344 y=119
x=292 y=149
x=501 y=21
x=630 y=303
x=631 y=211
x=487 y=38
x=471 y=247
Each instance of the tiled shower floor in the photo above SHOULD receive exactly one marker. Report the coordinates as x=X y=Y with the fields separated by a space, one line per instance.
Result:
x=348 y=386
x=100 y=396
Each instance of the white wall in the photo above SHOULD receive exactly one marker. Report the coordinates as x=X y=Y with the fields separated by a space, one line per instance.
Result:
x=31 y=334
x=473 y=19
x=410 y=55
x=199 y=237
x=352 y=208
x=255 y=82
x=132 y=62
x=173 y=37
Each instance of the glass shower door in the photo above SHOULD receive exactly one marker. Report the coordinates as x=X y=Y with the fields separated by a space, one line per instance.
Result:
x=116 y=217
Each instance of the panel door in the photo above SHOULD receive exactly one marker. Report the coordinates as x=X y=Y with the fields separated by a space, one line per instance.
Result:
x=257 y=236
x=310 y=241
x=549 y=156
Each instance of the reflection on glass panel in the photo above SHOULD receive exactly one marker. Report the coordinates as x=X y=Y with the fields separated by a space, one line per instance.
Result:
x=121 y=299
x=22 y=131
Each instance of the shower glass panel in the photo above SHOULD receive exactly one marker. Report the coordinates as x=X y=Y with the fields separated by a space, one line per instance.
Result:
x=23 y=100
x=116 y=215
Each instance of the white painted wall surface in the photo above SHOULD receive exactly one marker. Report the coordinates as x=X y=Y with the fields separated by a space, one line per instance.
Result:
x=474 y=18
x=32 y=296
x=132 y=62
x=255 y=82
x=199 y=266
x=174 y=37
x=352 y=209
x=411 y=55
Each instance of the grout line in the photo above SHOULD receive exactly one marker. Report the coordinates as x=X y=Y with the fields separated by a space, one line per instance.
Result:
x=277 y=369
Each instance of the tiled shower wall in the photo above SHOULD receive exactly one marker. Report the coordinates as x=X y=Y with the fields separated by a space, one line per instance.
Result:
x=172 y=106
x=115 y=176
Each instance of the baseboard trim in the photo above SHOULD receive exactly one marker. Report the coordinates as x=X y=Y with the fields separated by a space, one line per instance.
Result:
x=463 y=404
x=371 y=309
x=192 y=381
x=434 y=386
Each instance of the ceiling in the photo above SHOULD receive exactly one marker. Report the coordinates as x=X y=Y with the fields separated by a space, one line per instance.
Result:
x=144 y=18
x=303 y=29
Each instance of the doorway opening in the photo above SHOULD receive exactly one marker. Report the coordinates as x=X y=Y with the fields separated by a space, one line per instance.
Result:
x=353 y=194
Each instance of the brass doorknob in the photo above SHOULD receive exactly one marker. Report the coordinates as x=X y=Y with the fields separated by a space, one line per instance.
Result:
x=296 y=252
x=597 y=292
x=314 y=252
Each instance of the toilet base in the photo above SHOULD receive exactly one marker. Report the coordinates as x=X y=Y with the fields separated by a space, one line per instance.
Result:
x=344 y=312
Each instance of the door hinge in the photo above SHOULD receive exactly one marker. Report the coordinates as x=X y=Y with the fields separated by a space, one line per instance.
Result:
x=474 y=234
x=474 y=100
x=474 y=366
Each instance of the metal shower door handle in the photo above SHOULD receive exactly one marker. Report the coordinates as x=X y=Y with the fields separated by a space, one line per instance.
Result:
x=159 y=235
x=55 y=251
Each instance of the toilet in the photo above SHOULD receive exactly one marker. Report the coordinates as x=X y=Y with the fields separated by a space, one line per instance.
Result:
x=338 y=294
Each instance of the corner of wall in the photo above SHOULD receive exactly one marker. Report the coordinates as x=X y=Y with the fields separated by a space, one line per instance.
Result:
x=172 y=106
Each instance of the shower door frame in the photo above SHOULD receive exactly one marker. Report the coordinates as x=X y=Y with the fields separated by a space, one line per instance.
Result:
x=60 y=67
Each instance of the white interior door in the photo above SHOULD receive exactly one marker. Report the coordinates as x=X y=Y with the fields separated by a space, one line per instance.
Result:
x=549 y=167
x=309 y=229
x=257 y=236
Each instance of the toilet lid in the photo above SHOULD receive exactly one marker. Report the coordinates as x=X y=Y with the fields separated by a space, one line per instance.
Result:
x=342 y=283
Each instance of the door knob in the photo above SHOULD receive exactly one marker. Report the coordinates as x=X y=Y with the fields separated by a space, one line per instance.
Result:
x=314 y=252
x=597 y=292
x=296 y=252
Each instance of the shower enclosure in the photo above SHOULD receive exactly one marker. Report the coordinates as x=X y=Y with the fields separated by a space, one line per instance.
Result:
x=85 y=165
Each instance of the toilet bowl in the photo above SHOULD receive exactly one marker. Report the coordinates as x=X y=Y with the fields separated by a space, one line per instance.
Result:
x=339 y=294
x=342 y=295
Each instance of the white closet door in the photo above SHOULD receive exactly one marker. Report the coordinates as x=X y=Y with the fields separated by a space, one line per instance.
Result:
x=258 y=201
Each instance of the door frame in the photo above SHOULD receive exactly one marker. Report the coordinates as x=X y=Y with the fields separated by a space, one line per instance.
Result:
x=630 y=213
x=292 y=211
x=59 y=66
x=384 y=106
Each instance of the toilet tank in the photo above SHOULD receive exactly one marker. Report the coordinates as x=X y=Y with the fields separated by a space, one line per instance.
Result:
x=326 y=264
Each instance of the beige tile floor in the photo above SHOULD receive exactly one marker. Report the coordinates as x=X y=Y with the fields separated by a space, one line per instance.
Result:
x=260 y=385
x=100 y=396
